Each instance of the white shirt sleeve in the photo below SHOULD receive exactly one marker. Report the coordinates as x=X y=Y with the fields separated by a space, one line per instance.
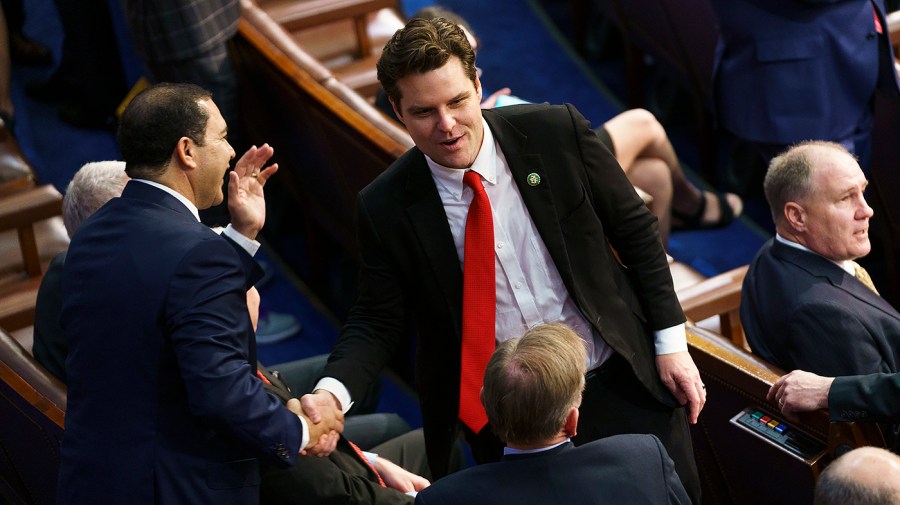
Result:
x=304 y=439
x=338 y=389
x=251 y=246
x=669 y=340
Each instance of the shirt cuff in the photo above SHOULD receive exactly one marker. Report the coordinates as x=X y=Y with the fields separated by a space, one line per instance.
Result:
x=669 y=340
x=304 y=438
x=336 y=388
x=371 y=456
x=251 y=246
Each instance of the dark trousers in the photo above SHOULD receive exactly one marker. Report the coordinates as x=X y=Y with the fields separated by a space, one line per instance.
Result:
x=615 y=402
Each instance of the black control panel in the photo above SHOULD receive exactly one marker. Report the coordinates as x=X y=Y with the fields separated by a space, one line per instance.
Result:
x=777 y=432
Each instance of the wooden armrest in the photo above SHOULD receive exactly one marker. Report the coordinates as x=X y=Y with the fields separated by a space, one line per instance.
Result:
x=263 y=23
x=294 y=15
x=893 y=28
x=714 y=295
x=15 y=172
x=717 y=296
x=21 y=210
x=17 y=304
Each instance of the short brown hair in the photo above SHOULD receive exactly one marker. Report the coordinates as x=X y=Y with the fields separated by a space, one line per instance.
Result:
x=789 y=177
x=532 y=382
x=422 y=46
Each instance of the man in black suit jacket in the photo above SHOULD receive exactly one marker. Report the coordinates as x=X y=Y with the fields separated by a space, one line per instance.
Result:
x=561 y=205
x=532 y=389
x=803 y=306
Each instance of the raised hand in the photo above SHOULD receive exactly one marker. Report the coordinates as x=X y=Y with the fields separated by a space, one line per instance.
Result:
x=246 y=201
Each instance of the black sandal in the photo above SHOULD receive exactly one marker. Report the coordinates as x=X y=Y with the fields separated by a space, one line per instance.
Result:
x=694 y=221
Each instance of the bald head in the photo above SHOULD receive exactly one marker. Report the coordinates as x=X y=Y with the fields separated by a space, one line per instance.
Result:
x=864 y=476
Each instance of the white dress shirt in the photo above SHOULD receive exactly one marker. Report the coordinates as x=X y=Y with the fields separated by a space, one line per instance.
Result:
x=530 y=290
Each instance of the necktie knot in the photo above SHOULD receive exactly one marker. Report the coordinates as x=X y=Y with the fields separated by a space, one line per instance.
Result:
x=860 y=273
x=473 y=180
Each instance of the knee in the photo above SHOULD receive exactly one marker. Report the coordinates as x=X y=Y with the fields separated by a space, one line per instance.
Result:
x=646 y=124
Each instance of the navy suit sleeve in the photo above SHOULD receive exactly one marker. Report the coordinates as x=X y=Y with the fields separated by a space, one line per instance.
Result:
x=675 y=493
x=874 y=397
x=207 y=320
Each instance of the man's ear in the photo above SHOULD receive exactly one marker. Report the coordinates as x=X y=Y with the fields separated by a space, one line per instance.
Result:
x=397 y=111
x=478 y=88
x=795 y=216
x=571 y=426
x=184 y=151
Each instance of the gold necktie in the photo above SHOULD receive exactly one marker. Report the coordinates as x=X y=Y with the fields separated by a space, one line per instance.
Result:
x=863 y=276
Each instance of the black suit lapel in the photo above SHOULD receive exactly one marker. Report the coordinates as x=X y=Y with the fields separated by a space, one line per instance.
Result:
x=538 y=198
x=429 y=222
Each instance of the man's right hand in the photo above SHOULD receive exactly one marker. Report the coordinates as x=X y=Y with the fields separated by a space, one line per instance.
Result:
x=800 y=391
x=326 y=422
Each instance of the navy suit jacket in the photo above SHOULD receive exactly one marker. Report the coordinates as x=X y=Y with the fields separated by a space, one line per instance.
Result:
x=800 y=310
x=410 y=268
x=792 y=70
x=163 y=403
x=633 y=469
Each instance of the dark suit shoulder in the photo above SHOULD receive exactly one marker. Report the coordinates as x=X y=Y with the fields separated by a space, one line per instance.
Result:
x=526 y=117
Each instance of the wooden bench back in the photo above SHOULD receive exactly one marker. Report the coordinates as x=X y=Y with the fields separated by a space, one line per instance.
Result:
x=329 y=141
x=32 y=416
x=739 y=466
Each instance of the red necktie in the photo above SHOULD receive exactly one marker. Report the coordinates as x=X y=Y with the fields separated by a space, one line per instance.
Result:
x=366 y=462
x=479 y=304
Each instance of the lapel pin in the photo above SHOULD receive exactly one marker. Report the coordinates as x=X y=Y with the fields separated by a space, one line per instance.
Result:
x=533 y=179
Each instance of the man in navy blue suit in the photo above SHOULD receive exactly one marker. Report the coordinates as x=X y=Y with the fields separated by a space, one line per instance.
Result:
x=164 y=405
x=532 y=390
x=793 y=70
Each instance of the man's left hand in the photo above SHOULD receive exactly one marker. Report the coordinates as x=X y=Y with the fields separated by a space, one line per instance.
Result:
x=399 y=478
x=679 y=373
x=246 y=201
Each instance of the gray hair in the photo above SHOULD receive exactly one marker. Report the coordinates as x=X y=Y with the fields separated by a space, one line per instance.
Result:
x=92 y=186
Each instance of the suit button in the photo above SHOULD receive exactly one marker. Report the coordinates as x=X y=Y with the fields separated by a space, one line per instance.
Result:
x=870 y=35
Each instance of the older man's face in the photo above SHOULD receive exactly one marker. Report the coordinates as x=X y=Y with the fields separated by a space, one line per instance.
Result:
x=837 y=215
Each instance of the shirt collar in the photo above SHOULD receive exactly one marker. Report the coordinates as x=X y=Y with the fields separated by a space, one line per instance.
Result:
x=507 y=451
x=187 y=203
x=485 y=165
x=844 y=265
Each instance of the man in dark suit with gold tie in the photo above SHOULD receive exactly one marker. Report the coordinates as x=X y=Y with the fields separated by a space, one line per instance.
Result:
x=806 y=303
x=556 y=205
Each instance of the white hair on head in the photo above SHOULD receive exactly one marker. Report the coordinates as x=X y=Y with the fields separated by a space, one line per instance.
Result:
x=93 y=185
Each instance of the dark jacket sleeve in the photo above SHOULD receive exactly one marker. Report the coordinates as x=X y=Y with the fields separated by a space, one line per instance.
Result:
x=874 y=397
